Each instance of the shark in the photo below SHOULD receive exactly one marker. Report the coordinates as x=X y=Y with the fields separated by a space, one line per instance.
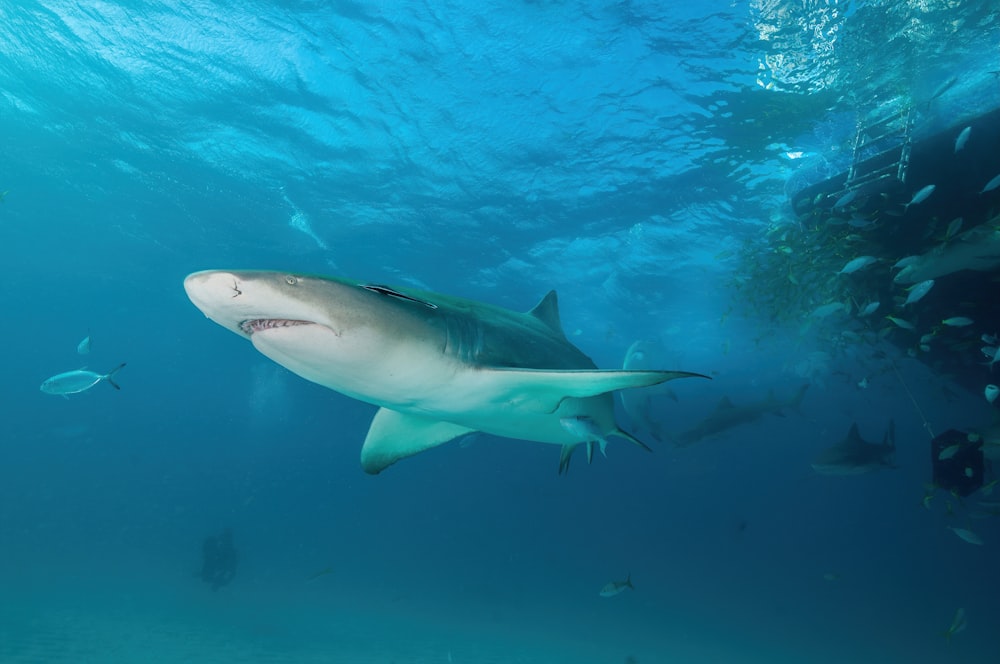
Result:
x=728 y=415
x=437 y=366
x=976 y=249
x=855 y=456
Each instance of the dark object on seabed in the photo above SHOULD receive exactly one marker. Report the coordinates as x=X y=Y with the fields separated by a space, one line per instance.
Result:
x=957 y=462
x=218 y=560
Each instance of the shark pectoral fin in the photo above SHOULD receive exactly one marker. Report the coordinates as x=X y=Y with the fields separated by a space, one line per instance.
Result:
x=394 y=436
x=548 y=388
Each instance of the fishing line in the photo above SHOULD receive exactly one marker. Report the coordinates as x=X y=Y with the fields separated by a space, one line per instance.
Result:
x=927 y=425
x=895 y=369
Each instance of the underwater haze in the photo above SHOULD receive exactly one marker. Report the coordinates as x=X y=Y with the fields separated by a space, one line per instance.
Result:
x=641 y=159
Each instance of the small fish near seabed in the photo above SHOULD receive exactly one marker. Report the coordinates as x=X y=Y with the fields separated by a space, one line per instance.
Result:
x=613 y=588
x=81 y=380
x=437 y=367
x=855 y=456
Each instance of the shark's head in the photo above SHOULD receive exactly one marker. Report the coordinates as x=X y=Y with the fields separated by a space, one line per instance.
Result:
x=334 y=332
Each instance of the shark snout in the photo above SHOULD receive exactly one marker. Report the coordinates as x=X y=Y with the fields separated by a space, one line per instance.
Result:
x=210 y=289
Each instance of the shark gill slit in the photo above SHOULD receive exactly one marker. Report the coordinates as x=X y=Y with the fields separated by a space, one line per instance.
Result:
x=463 y=339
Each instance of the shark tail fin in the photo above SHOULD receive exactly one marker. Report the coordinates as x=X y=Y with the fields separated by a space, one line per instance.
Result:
x=110 y=376
x=628 y=580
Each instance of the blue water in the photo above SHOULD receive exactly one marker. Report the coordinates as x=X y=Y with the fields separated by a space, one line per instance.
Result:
x=632 y=156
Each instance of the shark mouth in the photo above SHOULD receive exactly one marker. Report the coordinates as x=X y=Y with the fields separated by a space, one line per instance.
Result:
x=248 y=327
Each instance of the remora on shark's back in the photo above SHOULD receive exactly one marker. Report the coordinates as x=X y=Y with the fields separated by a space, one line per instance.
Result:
x=437 y=366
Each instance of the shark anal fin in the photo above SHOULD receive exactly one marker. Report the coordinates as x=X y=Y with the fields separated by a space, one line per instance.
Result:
x=565 y=454
x=394 y=436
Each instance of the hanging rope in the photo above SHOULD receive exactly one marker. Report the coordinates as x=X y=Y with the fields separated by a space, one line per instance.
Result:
x=927 y=425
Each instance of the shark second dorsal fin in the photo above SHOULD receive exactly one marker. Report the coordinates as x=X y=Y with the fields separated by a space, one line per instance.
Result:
x=547 y=311
x=725 y=404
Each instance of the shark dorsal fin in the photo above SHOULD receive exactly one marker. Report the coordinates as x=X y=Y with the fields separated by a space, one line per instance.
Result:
x=725 y=404
x=547 y=311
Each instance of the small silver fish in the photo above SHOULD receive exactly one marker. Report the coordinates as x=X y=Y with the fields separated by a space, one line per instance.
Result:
x=846 y=199
x=967 y=535
x=958 y=321
x=991 y=185
x=857 y=264
x=922 y=196
x=958 y=624
x=992 y=353
x=918 y=291
x=81 y=380
x=612 y=588
x=899 y=322
x=83 y=348
x=949 y=452
x=954 y=226
x=963 y=138
x=869 y=309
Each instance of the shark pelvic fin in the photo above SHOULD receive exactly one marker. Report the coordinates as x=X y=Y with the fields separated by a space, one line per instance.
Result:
x=394 y=436
x=546 y=389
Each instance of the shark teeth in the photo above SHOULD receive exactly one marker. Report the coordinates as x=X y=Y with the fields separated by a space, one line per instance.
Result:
x=256 y=325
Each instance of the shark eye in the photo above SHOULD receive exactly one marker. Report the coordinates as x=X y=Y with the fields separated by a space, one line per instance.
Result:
x=290 y=280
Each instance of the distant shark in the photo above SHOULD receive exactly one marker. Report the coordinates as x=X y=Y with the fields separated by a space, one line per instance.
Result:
x=976 y=249
x=437 y=366
x=855 y=456
x=728 y=415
